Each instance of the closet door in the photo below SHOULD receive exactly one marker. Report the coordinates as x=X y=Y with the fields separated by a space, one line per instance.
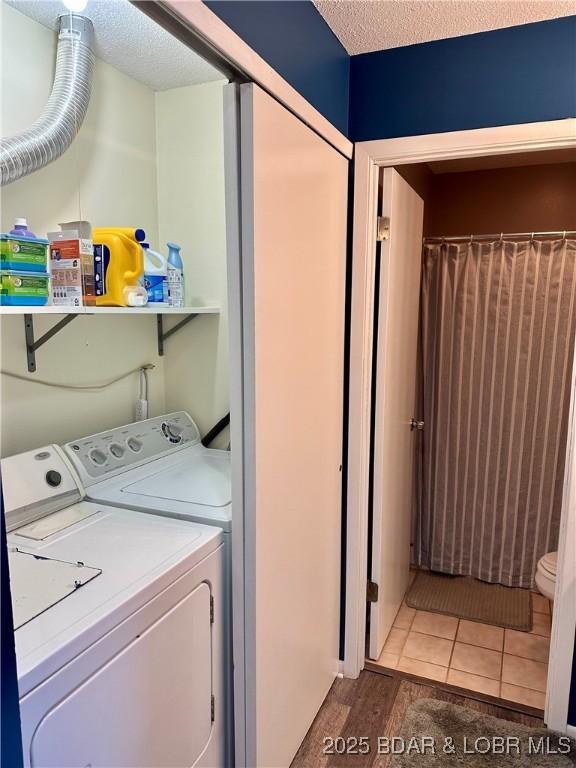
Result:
x=292 y=189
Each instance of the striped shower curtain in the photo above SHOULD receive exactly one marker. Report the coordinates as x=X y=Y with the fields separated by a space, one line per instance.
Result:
x=498 y=324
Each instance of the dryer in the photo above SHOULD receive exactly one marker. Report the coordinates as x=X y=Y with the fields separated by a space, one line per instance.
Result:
x=118 y=626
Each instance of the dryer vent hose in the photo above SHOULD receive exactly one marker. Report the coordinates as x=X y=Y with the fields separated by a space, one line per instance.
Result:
x=55 y=129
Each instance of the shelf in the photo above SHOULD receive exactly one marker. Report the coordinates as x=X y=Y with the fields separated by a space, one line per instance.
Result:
x=50 y=310
x=71 y=313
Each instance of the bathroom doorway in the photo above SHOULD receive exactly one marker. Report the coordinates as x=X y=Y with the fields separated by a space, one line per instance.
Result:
x=485 y=424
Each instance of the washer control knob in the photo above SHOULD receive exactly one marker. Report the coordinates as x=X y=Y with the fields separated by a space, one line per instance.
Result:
x=53 y=478
x=172 y=432
x=134 y=444
x=117 y=450
x=97 y=456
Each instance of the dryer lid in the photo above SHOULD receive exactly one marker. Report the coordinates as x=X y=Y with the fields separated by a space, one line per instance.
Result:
x=549 y=562
x=203 y=479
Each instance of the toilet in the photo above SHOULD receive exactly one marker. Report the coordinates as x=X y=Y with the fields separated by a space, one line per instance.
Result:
x=546 y=574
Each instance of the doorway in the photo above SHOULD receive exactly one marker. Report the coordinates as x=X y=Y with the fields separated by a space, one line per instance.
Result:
x=433 y=623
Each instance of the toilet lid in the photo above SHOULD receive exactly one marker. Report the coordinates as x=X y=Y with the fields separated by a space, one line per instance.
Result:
x=549 y=562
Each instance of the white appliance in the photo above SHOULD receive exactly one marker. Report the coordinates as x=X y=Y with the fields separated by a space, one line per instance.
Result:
x=160 y=466
x=118 y=626
x=546 y=575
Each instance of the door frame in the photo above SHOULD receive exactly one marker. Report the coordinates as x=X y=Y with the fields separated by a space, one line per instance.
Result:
x=369 y=157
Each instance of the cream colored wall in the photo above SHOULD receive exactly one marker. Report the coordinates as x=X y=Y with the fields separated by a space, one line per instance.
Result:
x=92 y=350
x=140 y=159
x=191 y=212
x=109 y=177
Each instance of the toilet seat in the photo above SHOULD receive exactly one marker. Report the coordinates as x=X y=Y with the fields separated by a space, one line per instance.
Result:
x=549 y=563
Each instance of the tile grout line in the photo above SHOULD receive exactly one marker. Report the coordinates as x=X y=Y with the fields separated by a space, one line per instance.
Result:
x=401 y=654
x=500 y=681
x=452 y=650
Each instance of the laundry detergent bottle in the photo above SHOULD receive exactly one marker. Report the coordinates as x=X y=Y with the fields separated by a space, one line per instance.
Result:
x=155 y=275
x=118 y=266
x=175 y=275
x=20 y=229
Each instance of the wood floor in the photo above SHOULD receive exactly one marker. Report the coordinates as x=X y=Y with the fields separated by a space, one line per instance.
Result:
x=374 y=705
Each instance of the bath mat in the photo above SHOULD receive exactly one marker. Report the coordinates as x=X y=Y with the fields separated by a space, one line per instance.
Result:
x=461 y=736
x=468 y=598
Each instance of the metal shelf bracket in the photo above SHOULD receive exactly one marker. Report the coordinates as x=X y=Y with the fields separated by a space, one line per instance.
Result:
x=33 y=344
x=163 y=335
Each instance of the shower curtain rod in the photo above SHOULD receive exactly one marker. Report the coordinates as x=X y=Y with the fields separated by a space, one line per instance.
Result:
x=500 y=236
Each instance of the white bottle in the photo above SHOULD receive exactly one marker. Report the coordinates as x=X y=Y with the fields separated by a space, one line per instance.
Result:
x=175 y=276
x=155 y=278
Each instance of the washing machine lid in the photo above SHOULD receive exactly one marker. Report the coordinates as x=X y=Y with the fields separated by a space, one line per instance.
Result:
x=202 y=478
x=549 y=563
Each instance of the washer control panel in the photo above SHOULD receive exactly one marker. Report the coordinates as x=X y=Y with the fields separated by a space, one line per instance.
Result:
x=105 y=454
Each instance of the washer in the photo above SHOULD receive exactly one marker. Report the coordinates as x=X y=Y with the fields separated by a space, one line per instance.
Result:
x=119 y=626
x=159 y=466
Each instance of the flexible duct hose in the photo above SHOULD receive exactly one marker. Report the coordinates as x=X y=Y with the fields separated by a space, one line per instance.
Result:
x=53 y=132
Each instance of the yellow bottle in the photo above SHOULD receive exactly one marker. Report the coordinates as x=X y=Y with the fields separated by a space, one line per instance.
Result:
x=119 y=263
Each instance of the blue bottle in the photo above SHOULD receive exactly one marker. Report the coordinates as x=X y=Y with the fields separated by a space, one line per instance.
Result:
x=175 y=276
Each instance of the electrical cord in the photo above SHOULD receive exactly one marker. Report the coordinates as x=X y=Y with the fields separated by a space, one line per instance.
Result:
x=85 y=387
x=143 y=383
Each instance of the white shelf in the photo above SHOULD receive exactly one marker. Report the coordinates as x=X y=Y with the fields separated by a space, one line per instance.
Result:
x=150 y=310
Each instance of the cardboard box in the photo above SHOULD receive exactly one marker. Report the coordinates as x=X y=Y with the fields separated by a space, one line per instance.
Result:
x=66 y=273
x=72 y=265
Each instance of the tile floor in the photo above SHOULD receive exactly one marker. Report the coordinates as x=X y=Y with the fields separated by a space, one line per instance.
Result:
x=480 y=657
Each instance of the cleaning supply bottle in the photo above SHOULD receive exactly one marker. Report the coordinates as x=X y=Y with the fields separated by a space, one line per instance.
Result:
x=118 y=266
x=175 y=275
x=21 y=229
x=155 y=275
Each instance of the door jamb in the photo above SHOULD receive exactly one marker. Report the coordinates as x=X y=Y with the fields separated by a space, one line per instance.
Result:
x=564 y=615
x=370 y=156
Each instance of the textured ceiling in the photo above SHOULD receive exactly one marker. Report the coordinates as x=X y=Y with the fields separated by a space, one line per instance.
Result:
x=374 y=25
x=128 y=40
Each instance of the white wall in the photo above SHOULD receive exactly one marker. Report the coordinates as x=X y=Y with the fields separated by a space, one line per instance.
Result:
x=109 y=176
x=191 y=212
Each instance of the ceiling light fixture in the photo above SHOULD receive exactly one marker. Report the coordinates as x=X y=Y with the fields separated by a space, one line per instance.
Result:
x=76 y=6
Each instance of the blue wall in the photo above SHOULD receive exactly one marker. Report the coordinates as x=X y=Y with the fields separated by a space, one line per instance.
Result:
x=517 y=75
x=296 y=41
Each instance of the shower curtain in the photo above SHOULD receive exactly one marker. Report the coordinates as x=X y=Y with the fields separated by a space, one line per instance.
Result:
x=498 y=325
